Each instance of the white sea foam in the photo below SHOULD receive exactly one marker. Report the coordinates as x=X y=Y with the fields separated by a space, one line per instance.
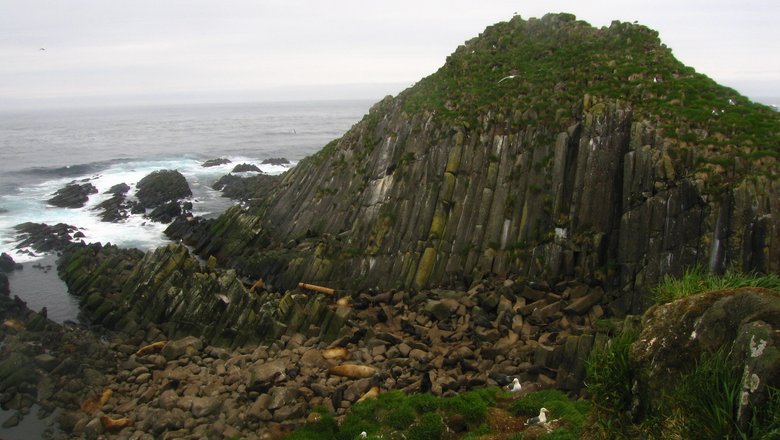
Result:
x=29 y=203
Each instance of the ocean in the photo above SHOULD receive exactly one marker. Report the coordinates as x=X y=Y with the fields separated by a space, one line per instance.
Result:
x=41 y=151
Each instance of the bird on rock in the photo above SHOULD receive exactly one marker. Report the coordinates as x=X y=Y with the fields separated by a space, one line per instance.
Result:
x=540 y=419
x=514 y=386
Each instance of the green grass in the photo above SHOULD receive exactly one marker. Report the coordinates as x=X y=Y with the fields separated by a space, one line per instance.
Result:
x=573 y=413
x=699 y=280
x=709 y=397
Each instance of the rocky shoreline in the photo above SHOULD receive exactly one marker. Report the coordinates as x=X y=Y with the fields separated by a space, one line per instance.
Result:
x=143 y=384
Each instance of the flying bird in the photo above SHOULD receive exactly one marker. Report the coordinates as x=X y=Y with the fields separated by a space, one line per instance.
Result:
x=507 y=77
x=540 y=419
x=514 y=386
x=43 y=48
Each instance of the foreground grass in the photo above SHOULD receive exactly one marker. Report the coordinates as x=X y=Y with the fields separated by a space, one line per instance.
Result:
x=699 y=280
x=395 y=415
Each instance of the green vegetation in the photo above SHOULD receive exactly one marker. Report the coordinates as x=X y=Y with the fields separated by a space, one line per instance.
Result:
x=698 y=280
x=417 y=417
x=426 y=417
x=572 y=413
x=560 y=66
x=610 y=376
x=704 y=401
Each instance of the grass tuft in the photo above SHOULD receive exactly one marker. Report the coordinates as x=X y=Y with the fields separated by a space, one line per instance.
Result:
x=699 y=280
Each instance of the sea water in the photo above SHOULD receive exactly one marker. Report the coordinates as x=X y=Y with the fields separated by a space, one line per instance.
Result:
x=42 y=151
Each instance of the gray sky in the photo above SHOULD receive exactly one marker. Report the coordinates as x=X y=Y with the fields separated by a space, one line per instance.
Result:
x=121 y=51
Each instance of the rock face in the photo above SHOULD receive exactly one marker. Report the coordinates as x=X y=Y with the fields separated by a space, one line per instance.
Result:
x=744 y=322
x=73 y=195
x=245 y=188
x=122 y=290
x=601 y=176
x=160 y=187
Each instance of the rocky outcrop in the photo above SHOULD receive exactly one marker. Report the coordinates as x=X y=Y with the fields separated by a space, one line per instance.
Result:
x=160 y=187
x=215 y=162
x=41 y=237
x=169 y=288
x=115 y=208
x=281 y=161
x=599 y=177
x=7 y=263
x=244 y=167
x=743 y=322
x=245 y=188
x=73 y=195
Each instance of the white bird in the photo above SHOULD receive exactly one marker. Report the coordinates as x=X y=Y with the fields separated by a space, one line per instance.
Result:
x=514 y=386
x=538 y=420
x=363 y=434
x=507 y=77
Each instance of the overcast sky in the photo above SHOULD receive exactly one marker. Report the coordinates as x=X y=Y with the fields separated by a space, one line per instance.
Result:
x=117 y=51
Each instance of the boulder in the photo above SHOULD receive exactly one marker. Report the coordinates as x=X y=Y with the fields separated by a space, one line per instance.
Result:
x=205 y=406
x=175 y=349
x=7 y=263
x=262 y=375
x=744 y=322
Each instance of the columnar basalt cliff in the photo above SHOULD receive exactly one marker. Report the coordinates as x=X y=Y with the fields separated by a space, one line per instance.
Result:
x=546 y=148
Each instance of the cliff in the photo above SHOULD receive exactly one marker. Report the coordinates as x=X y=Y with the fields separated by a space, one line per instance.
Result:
x=546 y=148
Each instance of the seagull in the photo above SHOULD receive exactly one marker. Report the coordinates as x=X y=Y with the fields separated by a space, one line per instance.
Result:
x=514 y=386
x=540 y=419
x=506 y=77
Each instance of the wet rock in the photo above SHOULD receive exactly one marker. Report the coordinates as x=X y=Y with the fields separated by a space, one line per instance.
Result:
x=244 y=167
x=73 y=195
x=160 y=187
x=7 y=263
x=215 y=162
x=276 y=161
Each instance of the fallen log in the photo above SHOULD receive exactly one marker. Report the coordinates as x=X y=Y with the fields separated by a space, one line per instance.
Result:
x=316 y=288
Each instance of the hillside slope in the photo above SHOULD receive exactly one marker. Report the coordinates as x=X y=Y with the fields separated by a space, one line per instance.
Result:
x=544 y=147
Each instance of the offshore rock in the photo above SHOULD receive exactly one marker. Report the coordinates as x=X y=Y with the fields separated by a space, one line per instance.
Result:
x=160 y=187
x=215 y=162
x=45 y=238
x=244 y=167
x=73 y=195
x=244 y=188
